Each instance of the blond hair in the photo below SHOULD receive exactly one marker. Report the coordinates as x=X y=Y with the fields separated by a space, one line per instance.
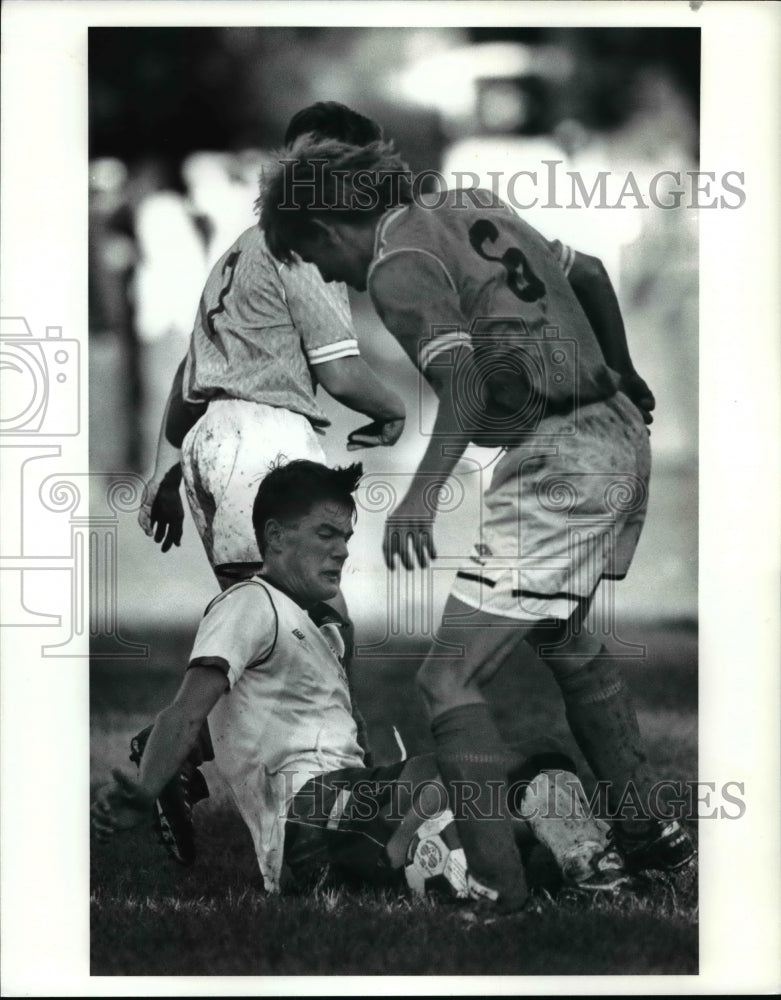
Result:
x=317 y=178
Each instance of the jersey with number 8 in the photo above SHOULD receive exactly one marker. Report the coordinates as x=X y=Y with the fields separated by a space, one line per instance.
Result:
x=472 y=267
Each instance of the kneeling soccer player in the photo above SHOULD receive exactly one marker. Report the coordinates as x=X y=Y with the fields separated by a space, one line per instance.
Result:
x=266 y=670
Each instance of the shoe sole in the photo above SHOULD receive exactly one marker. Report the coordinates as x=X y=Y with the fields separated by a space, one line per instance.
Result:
x=595 y=887
x=678 y=864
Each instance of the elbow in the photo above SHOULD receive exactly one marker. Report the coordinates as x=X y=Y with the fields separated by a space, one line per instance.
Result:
x=170 y=714
x=587 y=274
x=337 y=377
x=182 y=718
x=592 y=268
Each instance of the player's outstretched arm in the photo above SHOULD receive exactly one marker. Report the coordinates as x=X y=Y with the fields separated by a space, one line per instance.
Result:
x=412 y=296
x=352 y=382
x=320 y=311
x=161 y=512
x=594 y=290
x=410 y=526
x=126 y=801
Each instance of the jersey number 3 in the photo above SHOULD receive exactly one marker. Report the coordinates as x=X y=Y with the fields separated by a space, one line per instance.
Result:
x=228 y=269
x=521 y=280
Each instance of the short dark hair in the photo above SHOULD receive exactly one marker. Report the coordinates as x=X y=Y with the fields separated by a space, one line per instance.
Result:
x=291 y=490
x=327 y=180
x=331 y=120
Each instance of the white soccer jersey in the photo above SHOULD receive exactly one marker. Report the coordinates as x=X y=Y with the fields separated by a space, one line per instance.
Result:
x=261 y=329
x=287 y=714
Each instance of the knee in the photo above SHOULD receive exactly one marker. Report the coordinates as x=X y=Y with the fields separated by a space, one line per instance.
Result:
x=577 y=653
x=429 y=683
x=419 y=768
x=441 y=685
x=596 y=676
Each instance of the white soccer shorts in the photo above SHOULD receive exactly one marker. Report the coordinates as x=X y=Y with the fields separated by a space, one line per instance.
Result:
x=225 y=456
x=562 y=513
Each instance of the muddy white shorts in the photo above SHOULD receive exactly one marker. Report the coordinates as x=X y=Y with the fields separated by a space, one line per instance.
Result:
x=562 y=512
x=224 y=457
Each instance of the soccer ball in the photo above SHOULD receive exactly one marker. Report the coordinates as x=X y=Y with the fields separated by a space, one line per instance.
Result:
x=436 y=862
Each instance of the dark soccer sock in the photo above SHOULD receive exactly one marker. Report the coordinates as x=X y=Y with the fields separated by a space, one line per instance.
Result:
x=473 y=763
x=602 y=719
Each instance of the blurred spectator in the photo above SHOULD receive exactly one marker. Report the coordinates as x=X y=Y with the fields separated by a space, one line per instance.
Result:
x=172 y=259
x=220 y=199
x=147 y=261
x=112 y=256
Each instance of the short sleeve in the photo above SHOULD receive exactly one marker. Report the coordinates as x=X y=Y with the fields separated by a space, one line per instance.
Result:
x=565 y=255
x=238 y=631
x=416 y=299
x=320 y=312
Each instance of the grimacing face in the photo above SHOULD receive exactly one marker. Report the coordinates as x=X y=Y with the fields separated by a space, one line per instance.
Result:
x=306 y=557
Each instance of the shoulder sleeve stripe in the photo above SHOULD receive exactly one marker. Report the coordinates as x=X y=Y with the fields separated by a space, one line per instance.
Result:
x=564 y=255
x=567 y=259
x=230 y=590
x=211 y=663
x=331 y=352
x=379 y=238
x=283 y=291
x=431 y=349
x=399 y=250
x=263 y=659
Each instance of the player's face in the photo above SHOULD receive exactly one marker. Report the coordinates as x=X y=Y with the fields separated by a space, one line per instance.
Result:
x=312 y=552
x=338 y=255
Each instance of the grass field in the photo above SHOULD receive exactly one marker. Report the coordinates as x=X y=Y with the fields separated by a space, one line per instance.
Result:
x=151 y=917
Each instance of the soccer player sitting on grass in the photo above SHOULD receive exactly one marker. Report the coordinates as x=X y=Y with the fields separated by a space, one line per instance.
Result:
x=523 y=342
x=266 y=670
x=265 y=335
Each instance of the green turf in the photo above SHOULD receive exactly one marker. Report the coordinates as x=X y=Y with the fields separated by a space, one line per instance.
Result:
x=151 y=917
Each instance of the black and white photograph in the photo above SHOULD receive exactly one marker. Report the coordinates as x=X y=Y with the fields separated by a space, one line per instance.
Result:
x=390 y=491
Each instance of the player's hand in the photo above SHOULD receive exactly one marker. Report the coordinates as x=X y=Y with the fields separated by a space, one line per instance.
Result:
x=120 y=805
x=378 y=432
x=409 y=531
x=637 y=389
x=162 y=512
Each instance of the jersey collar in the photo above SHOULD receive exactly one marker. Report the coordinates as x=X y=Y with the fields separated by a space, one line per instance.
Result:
x=382 y=226
x=321 y=613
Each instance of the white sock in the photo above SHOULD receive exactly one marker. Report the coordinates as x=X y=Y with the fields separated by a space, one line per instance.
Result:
x=554 y=806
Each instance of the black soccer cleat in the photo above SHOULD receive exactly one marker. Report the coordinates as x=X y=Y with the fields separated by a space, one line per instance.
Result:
x=173 y=809
x=667 y=848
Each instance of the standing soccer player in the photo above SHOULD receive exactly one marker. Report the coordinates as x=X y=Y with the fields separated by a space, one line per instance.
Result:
x=265 y=335
x=523 y=342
